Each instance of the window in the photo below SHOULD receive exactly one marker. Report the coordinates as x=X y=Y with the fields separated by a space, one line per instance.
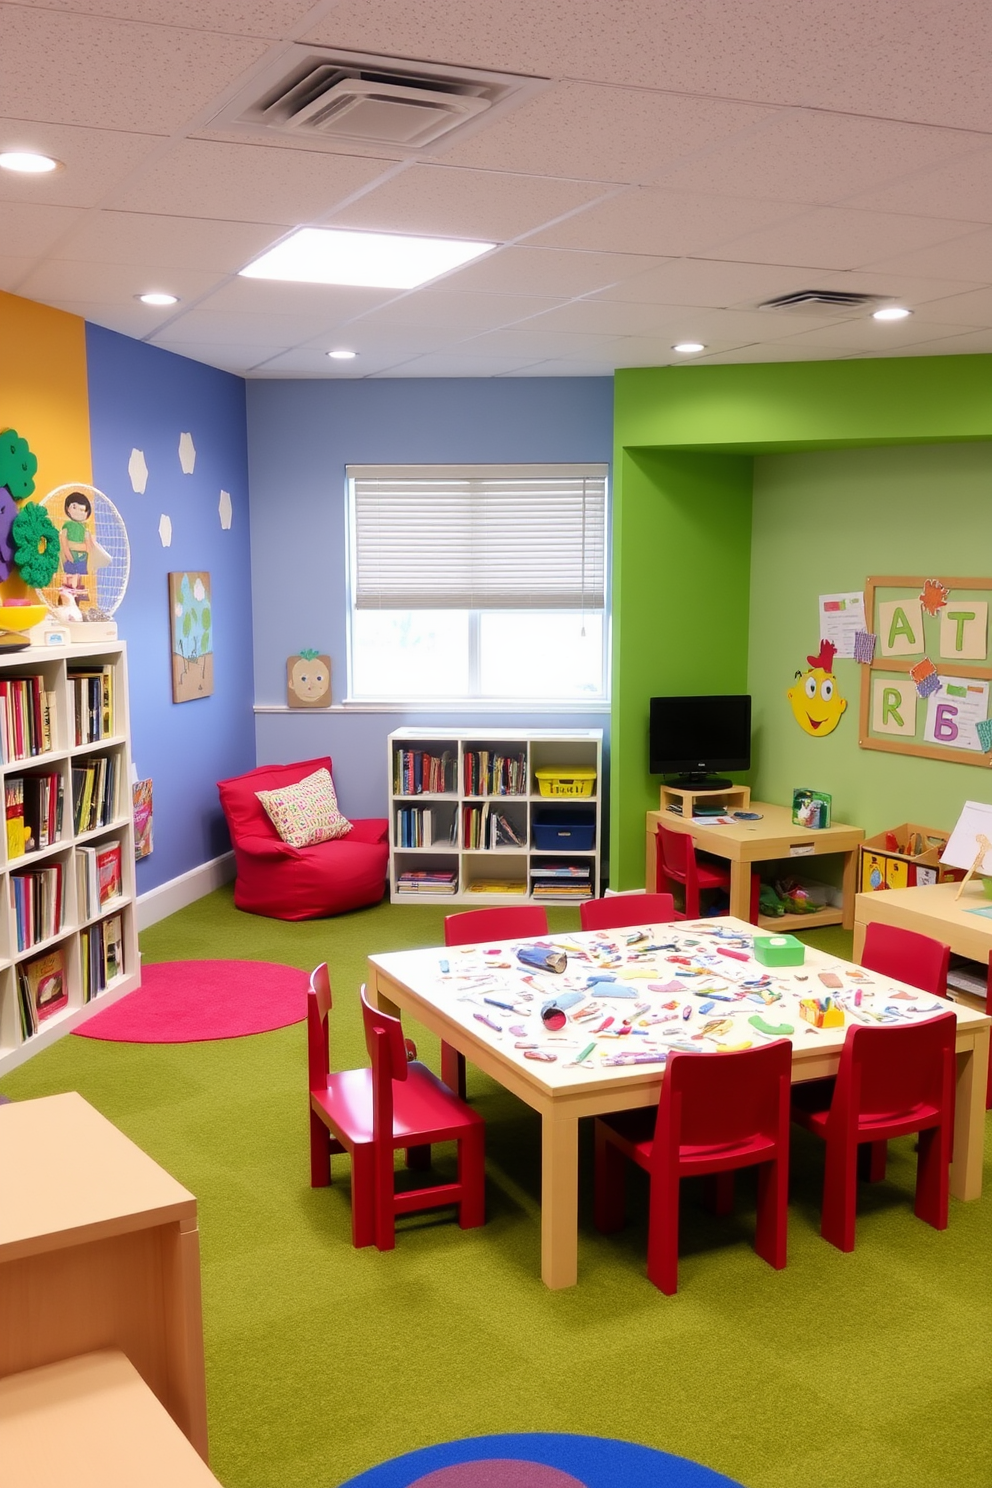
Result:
x=482 y=583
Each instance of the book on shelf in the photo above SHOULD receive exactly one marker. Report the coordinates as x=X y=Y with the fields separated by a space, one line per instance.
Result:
x=496 y=886
x=33 y=805
x=87 y=882
x=13 y=790
x=414 y=826
x=36 y=899
x=42 y=989
x=101 y=956
x=94 y=792
x=559 y=880
x=108 y=872
x=428 y=881
x=418 y=771
x=27 y=708
x=93 y=702
x=488 y=773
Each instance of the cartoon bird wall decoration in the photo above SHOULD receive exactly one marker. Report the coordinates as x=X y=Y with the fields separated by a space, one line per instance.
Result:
x=815 y=696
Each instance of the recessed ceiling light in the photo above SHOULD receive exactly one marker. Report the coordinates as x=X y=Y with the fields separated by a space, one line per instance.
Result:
x=342 y=355
x=156 y=298
x=28 y=163
x=688 y=347
x=321 y=255
x=891 y=312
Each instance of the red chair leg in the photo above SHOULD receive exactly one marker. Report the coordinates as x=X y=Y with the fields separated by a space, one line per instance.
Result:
x=472 y=1178
x=933 y=1176
x=663 y=1232
x=453 y=1070
x=419 y=1158
x=692 y=901
x=363 y=1196
x=608 y=1184
x=840 y=1195
x=723 y=1194
x=877 y=1161
x=771 y=1236
x=320 y=1152
x=385 y=1191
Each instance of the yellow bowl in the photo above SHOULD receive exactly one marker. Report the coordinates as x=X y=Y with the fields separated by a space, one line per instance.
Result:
x=21 y=618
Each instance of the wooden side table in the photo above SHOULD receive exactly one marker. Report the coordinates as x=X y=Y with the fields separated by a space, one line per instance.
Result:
x=99 y=1248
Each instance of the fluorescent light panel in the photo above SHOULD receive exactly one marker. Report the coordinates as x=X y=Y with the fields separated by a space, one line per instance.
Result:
x=323 y=255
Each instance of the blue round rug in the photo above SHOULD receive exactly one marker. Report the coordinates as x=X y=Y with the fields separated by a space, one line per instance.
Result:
x=540 y=1460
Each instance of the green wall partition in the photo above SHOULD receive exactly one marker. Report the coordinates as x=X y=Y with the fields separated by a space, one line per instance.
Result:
x=689 y=579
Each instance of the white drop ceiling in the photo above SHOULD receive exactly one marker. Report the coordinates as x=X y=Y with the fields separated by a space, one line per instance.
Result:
x=684 y=163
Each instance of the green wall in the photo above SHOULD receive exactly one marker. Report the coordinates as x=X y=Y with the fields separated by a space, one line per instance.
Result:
x=822 y=523
x=682 y=510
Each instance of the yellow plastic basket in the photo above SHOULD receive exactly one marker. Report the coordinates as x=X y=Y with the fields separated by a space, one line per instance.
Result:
x=580 y=781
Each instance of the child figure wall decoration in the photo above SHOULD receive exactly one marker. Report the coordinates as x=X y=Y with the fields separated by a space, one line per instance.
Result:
x=191 y=616
x=308 y=679
x=815 y=696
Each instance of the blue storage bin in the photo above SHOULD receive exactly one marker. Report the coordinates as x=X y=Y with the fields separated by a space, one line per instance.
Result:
x=557 y=831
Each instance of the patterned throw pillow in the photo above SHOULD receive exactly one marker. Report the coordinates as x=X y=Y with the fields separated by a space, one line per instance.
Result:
x=307 y=812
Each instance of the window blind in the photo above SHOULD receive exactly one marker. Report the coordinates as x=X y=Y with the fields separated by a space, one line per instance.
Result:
x=452 y=538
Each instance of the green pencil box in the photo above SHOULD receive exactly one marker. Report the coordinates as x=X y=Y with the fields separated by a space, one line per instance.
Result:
x=779 y=950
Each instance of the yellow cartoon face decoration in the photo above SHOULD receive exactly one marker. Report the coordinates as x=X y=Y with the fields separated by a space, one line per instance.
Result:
x=815 y=697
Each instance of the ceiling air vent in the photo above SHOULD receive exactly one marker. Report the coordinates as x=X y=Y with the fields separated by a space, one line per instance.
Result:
x=353 y=101
x=840 y=301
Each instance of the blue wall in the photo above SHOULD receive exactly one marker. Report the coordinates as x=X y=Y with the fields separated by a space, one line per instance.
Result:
x=301 y=435
x=144 y=398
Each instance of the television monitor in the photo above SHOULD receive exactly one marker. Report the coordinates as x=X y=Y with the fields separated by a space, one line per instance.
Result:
x=690 y=737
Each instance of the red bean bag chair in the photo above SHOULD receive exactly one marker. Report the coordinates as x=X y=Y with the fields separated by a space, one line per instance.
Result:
x=299 y=883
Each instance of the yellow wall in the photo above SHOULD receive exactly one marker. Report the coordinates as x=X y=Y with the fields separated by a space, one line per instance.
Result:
x=43 y=392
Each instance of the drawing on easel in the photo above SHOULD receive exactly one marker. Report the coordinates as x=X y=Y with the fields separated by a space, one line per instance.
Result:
x=970 y=844
x=192 y=636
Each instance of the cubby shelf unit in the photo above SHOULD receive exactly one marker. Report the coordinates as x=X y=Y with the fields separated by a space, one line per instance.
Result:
x=54 y=667
x=543 y=749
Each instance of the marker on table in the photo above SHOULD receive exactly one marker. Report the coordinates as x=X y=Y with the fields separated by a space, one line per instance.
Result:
x=489 y=1022
x=581 y=1058
x=445 y=968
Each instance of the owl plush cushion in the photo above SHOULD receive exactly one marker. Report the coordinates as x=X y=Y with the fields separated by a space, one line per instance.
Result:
x=307 y=812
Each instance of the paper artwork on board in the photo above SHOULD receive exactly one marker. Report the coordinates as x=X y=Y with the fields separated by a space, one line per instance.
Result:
x=964 y=630
x=308 y=679
x=934 y=596
x=973 y=829
x=954 y=711
x=842 y=616
x=900 y=627
x=192 y=636
x=815 y=696
x=893 y=706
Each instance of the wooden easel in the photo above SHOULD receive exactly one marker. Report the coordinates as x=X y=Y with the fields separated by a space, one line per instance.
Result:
x=984 y=846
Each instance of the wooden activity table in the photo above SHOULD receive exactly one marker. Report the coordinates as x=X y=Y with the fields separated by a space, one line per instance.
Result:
x=415 y=982
x=746 y=843
x=99 y=1248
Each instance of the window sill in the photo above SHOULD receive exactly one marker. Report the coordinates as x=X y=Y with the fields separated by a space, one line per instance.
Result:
x=460 y=708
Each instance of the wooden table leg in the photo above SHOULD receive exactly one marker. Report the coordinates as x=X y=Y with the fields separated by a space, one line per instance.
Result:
x=740 y=890
x=453 y=1069
x=860 y=930
x=849 y=887
x=969 y=1118
x=651 y=860
x=559 y=1200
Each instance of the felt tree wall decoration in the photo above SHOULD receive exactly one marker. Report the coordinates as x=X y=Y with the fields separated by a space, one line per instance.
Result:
x=18 y=467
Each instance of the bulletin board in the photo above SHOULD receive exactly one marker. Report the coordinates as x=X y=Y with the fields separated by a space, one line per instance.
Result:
x=927 y=687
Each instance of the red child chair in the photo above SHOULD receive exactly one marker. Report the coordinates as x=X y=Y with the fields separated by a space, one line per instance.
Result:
x=716 y=1113
x=907 y=956
x=340 y=1113
x=620 y=910
x=411 y=1108
x=479 y=927
x=892 y=1081
x=678 y=862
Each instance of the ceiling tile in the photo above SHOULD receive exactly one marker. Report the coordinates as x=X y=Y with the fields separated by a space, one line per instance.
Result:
x=169 y=242
x=210 y=327
x=522 y=340
x=326 y=304
x=547 y=271
x=95 y=160
x=603 y=134
x=86 y=69
x=837 y=238
x=130 y=318
x=309 y=362
x=238 y=359
x=452 y=364
x=974 y=343
x=707 y=281
x=817 y=157
x=681 y=322
x=471 y=311
x=31 y=230
x=13 y=270
x=248 y=182
x=463 y=203
x=111 y=284
x=269 y=18
x=962 y=258
x=866 y=334
x=973 y=308
x=552 y=368
x=666 y=223
x=373 y=342
x=768 y=351
x=961 y=188
x=912 y=291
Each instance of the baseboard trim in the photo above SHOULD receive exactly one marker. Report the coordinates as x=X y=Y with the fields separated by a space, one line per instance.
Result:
x=156 y=904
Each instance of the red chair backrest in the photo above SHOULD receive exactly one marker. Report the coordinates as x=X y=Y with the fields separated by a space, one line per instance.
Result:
x=384 y=1041
x=246 y=816
x=620 y=910
x=889 y=1071
x=676 y=855
x=318 y=1028
x=476 y=926
x=907 y=956
x=723 y=1100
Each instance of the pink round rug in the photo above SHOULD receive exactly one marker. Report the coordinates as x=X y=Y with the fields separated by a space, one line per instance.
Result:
x=185 y=1002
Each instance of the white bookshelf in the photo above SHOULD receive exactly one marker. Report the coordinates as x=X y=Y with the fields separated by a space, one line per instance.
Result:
x=564 y=749
x=65 y=753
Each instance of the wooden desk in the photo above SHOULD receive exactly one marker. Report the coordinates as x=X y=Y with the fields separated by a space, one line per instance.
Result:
x=932 y=910
x=747 y=843
x=94 y=1423
x=414 y=982
x=98 y=1249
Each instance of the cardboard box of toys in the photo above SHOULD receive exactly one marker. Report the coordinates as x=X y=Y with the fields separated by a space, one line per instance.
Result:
x=904 y=857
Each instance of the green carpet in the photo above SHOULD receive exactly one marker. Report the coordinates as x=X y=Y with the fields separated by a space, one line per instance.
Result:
x=872 y=1368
